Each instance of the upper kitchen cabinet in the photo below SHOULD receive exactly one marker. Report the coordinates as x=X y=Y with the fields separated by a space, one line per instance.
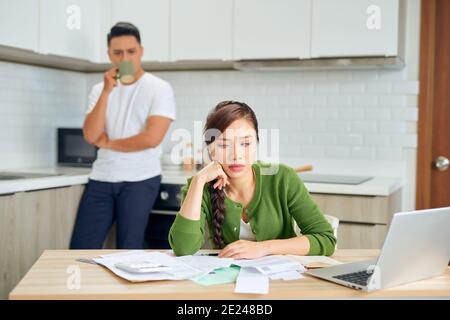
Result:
x=70 y=28
x=347 y=28
x=151 y=17
x=271 y=29
x=201 y=29
x=99 y=35
x=19 y=19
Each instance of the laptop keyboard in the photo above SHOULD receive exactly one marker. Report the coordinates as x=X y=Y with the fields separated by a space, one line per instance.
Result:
x=359 y=278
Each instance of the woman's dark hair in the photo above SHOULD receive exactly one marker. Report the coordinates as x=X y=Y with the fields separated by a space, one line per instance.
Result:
x=124 y=29
x=225 y=113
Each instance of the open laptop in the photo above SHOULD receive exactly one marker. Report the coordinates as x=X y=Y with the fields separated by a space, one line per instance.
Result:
x=416 y=247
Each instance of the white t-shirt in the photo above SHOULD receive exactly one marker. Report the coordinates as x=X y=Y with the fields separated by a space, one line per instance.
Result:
x=246 y=233
x=128 y=109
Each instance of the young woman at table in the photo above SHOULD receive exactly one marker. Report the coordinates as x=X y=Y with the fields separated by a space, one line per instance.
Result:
x=248 y=206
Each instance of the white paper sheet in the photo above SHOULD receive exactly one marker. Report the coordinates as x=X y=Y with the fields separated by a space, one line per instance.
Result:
x=206 y=263
x=251 y=281
x=179 y=269
x=289 y=275
x=271 y=264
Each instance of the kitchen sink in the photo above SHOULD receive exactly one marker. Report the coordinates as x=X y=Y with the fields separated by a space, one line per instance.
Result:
x=25 y=175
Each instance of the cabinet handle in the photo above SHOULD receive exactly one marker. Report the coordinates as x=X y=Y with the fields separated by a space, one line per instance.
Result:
x=34 y=190
x=165 y=212
x=7 y=194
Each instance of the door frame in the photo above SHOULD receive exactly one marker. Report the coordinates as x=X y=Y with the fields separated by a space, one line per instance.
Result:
x=426 y=103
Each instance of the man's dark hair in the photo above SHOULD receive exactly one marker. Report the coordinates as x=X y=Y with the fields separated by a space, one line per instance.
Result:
x=124 y=29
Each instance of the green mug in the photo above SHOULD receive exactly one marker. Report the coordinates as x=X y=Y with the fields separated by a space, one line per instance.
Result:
x=126 y=72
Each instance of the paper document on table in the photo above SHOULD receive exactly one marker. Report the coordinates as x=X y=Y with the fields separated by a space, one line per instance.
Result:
x=218 y=276
x=206 y=263
x=271 y=264
x=178 y=269
x=251 y=281
x=314 y=261
x=289 y=275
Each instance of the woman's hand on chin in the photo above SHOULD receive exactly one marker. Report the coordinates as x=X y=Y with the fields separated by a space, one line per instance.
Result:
x=244 y=249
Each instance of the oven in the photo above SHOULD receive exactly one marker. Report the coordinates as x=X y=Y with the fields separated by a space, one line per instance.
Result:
x=163 y=214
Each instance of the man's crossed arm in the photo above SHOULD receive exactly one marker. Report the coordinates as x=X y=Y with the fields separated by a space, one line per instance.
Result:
x=154 y=132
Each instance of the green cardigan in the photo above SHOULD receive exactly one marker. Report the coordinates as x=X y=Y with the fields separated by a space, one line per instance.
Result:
x=280 y=197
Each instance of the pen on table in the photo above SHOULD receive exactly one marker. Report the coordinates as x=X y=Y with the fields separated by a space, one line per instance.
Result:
x=209 y=254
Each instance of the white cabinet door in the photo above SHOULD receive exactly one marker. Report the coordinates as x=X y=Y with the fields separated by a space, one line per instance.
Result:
x=201 y=29
x=151 y=17
x=103 y=26
x=19 y=23
x=271 y=29
x=70 y=27
x=348 y=28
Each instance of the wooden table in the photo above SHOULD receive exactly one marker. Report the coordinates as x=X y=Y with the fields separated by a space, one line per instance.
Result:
x=48 y=278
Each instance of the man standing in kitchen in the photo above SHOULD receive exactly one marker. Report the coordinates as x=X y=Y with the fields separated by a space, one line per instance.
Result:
x=127 y=120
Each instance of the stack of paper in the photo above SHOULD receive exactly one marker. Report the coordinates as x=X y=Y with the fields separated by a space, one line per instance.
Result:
x=181 y=268
x=205 y=263
x=255 y=273
x=276 y=267
x=251 y=276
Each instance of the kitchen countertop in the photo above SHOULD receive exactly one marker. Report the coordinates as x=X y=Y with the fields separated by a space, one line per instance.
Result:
x=377 y=186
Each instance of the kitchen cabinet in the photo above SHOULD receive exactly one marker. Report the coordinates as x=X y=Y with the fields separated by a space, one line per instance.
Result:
x=271 y=29
x=151 y=17
x=9 y=253
x=206 y=30
x=363 y=220
x=70 y=28
x=352 y=28
x=102 y=26
x=31 y=222
x=19 y=19
x=201 y=29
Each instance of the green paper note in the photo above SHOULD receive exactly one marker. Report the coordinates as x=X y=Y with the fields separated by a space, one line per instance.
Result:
x=219 y=276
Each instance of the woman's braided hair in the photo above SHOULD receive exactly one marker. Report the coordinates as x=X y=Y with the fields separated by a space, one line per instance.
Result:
x=225 y=113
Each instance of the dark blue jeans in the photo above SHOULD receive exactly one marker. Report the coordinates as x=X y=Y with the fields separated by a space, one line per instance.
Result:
x=129 y=204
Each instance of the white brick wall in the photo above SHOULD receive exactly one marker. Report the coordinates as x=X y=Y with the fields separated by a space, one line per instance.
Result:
x=354 y=114
x=366 y=116
x=321 y=114
x=34 y=101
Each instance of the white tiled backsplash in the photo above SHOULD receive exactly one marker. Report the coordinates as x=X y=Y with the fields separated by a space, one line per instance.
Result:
x=363 y=116
x=370 y=114
x=321 y=114
x=34 y=101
